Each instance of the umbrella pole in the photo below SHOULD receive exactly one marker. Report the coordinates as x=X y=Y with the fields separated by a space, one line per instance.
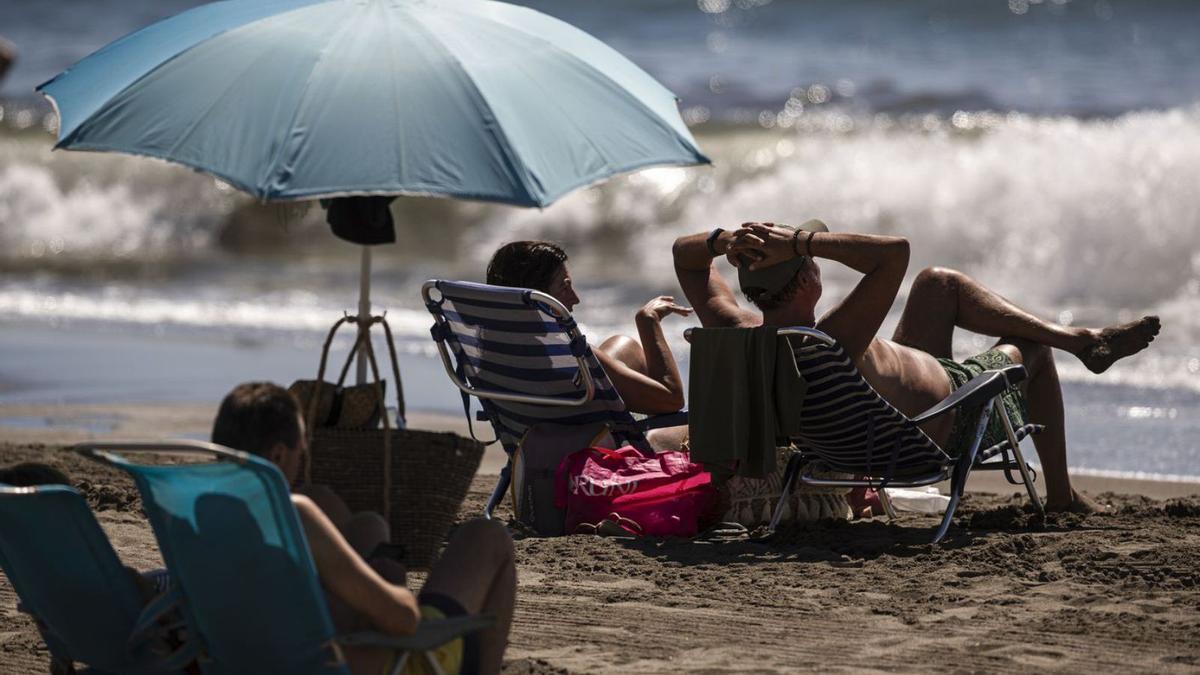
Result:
x=364 y=311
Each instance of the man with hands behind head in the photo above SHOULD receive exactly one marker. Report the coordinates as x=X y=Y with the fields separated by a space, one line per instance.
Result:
x=778 y=272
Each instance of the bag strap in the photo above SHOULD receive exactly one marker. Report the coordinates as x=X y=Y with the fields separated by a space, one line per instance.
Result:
x=363 y=341
x=364 y=338
x=461 y=372
x=314 y=399
x=611 y=454
x=441 y=333
x=391 y=345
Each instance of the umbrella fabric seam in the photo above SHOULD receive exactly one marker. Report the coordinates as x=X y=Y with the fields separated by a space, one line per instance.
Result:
x=64 y=140
x=266 y=179
x=518 y=167
x=616 y=85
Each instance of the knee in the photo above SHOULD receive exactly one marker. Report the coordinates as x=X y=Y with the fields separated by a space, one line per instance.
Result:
x=488 y=538
x=1033 y=355
x=937 y=278
x=371 y=522
x=364 y=531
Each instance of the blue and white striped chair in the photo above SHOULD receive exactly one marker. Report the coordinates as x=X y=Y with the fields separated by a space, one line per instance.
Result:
x=520 y=352
x=847 y=427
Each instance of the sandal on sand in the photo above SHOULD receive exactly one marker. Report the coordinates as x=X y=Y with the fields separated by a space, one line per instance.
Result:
x=615 y=525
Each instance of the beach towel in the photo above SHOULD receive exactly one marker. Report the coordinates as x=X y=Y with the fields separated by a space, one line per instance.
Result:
x=744 y=395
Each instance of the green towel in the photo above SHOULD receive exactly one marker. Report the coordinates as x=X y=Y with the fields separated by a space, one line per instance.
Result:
x=738 y=377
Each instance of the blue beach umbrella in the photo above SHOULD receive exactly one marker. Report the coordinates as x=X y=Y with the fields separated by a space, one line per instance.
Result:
x=300 y=99
x=307 y=99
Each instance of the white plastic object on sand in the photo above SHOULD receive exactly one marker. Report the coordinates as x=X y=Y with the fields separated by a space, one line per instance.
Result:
x=919 y=500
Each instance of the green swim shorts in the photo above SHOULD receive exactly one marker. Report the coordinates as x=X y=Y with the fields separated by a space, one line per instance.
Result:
x=1013 y=401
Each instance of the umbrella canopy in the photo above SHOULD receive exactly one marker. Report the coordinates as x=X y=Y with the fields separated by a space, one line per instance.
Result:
x=299 y=99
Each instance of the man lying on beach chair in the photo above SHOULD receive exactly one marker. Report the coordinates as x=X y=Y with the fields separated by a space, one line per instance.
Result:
x=914 y=370
x=475 y=574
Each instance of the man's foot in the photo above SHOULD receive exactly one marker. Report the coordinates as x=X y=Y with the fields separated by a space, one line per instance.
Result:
x=1117 y=342
x=1079 y=503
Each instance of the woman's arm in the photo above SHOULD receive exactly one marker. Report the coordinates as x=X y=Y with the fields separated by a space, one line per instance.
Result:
x=391 y=608
x=659 y=388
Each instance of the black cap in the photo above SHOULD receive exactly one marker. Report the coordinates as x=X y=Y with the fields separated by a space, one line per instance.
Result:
x=772 y=279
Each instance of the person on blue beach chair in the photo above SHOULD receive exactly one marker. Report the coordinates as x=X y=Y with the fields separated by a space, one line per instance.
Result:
x=476 y=573
x=643 y=371
x=778 y=272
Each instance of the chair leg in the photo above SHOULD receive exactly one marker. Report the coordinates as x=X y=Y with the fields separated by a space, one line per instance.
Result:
x=886 y=502
x=498 y=491
x=958 y=479
x=398 y=666
x=956 y=482
x=790 y=475
x=433 y=664
x=1026 y=476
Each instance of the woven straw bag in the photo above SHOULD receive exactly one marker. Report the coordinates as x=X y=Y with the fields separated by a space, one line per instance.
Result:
x=416 y=479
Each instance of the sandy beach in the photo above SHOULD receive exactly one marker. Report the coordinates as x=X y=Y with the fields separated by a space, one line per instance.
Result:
x=1118 y=591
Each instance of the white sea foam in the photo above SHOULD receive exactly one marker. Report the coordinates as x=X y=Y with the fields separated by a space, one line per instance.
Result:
x=1090 y=222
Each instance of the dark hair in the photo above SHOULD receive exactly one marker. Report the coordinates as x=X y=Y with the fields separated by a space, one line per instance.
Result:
x=767 y=301
x=526 y=264
x=255 y=416
x=29 y=474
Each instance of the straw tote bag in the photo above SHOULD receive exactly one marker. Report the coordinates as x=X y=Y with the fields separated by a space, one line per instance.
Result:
x=416 y=480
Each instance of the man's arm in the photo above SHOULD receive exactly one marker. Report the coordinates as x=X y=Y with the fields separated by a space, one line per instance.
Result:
x=882 y=260
x=391 y=608
x=704 y=287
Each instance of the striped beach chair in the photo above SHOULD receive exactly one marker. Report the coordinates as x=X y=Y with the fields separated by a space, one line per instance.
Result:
x=847 y=427
x=520 y=352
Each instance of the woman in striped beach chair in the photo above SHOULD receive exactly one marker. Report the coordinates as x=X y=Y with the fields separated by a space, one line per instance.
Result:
x=642 y=371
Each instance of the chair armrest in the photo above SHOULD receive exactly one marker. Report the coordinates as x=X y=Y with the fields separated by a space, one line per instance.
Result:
x=431 y=633
x=675 y=419
x=981 y=389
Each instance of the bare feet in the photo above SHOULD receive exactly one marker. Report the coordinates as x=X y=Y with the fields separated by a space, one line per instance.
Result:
x=1117 y=342
x=1079 y=503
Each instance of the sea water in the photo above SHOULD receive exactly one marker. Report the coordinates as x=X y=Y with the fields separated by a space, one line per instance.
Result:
x=1049 y=149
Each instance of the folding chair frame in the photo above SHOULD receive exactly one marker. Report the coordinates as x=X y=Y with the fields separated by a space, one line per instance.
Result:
x=957 y=471
x=563 y=316
x=431 y=633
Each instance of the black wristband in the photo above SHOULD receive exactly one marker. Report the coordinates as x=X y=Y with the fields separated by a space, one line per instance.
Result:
x=808 y=243
x=796 y=240
x=711 y=242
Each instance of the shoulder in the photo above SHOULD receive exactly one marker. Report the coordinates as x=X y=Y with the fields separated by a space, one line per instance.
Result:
x=306 y=507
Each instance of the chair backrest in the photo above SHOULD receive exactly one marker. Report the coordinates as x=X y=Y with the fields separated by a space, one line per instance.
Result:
x=520 y=352
x=68 y=576
x=846 y=423
x=233 y=542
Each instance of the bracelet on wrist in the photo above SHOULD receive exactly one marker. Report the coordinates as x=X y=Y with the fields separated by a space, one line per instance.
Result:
x=808 y=243
x=795 y=242
x=711 y=242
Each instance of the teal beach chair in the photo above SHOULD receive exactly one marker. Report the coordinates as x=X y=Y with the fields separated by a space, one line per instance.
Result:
x=233 y=543
x=69 y=579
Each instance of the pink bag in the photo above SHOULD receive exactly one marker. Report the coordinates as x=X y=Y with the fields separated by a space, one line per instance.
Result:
x=664 y=495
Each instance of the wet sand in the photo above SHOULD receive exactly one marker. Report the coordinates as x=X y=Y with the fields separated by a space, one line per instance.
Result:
x=1005 y=592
